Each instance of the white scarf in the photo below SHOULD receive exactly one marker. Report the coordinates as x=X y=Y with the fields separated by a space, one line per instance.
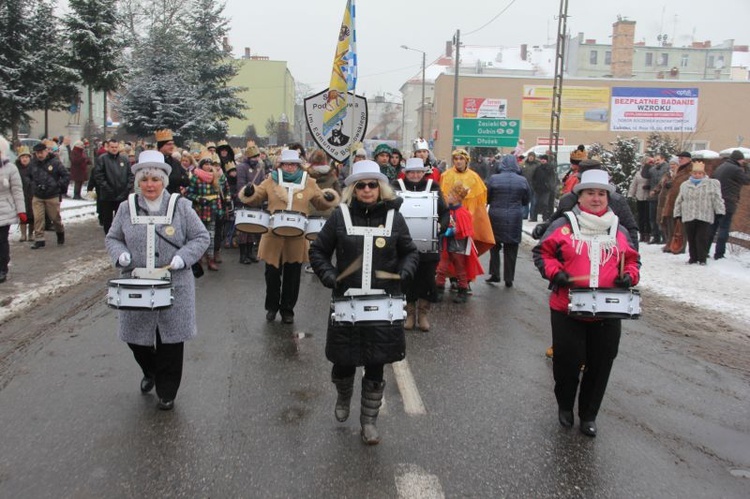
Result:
x=599 y=234
x=155 y=205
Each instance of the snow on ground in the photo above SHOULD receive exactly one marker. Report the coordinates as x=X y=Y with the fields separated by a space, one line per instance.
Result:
x=722 y=285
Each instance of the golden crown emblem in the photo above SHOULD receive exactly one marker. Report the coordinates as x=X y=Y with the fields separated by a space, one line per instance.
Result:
x=163 y=135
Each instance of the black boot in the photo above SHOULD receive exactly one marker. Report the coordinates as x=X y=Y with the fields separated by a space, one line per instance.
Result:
x=60 y=237
x=344 y=388
x=244 y=259
x=37 y=244
x=252 y=252
x=372 y=399
x=461 y=296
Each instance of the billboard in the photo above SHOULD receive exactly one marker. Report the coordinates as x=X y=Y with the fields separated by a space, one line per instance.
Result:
x=643 y=109
x=479 y=107
x=583 y=108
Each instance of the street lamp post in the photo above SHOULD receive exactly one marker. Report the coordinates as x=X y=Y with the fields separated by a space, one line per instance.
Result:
x=421 y=107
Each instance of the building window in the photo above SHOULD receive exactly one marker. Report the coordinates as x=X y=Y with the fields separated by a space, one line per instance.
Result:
x=710 y=63
x=664 y=61
x=608 y=57
x=684 y=61
x=649 y=58
x=592 y=57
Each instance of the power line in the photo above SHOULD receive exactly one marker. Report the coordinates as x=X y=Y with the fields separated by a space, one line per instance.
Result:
x=491 y=20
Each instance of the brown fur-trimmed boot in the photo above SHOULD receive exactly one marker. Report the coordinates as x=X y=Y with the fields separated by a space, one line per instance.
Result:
x=423 y=309
x=411 y=309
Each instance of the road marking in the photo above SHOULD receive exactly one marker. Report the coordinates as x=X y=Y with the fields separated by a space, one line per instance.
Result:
x=415 y=483
x=408 y=387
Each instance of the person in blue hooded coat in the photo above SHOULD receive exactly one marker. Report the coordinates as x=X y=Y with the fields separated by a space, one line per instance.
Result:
x=507 y=193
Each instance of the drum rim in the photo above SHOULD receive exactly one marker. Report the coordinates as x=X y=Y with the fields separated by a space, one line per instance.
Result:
x=158 y=283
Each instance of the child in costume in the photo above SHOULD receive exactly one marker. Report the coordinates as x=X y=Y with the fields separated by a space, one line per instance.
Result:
x=458 y=256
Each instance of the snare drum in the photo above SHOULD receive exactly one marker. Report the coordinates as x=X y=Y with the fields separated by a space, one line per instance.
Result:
x=314 y=224
x=611 y=303
x=139 y=294
x=368 y=308
x=253 y=221
x=288 y=223
x=419 y=210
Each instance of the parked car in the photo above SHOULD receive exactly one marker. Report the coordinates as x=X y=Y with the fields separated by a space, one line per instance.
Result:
x=30 y=143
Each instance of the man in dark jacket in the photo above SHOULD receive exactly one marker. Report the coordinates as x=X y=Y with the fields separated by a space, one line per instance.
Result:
x=617 y=203
x=541 y=184
x=732 y=175
x=654 y=174
x=179 y=179
x=49 y=181
x=114 y=181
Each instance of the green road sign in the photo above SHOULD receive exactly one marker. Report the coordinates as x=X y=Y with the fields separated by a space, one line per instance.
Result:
x=486 y=132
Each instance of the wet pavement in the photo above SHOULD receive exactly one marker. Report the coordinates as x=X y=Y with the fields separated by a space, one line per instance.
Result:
x=253 y=417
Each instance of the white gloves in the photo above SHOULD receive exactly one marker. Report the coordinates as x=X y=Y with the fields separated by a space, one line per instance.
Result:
x=124 y=259
x=177 y=263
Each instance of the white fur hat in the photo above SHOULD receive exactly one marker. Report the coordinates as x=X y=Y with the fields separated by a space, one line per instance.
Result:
x=421 y=144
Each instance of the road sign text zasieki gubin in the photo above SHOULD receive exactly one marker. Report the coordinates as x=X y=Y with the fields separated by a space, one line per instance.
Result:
x=482 y=132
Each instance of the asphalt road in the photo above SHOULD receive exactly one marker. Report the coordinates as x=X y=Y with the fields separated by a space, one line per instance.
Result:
x=254 y=414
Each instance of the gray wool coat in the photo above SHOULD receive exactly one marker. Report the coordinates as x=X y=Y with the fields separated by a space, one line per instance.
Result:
x=176 y=323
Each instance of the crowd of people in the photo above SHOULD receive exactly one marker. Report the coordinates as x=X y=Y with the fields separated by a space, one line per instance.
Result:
x=421 y=225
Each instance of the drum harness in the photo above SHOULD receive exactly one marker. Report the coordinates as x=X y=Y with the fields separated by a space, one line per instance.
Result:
x=368 y=234
x=151 y=272
x=594 y=244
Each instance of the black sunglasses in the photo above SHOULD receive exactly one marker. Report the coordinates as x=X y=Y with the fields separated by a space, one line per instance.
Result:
x=361 y=185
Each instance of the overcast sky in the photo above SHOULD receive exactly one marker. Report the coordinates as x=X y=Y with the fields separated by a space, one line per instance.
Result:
x=303 y=32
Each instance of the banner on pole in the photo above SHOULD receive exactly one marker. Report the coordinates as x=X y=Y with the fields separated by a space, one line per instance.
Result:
x=344 y=72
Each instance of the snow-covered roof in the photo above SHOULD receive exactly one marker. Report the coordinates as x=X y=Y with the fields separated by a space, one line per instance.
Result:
x=540 y=61
x=740 y=59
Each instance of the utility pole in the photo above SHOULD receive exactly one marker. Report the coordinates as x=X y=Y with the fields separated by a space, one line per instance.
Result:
x=554 y=127
x=457 y=43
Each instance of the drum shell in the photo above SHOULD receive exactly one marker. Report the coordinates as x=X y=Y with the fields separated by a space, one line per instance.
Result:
x=370 y=309
x=420 y=211
x=287 y=223
x=611 y=303
x=139 y=294
x=314 y=225
x=252 y=221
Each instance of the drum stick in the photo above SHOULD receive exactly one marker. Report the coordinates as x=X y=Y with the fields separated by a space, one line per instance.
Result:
x=352 y=268
x=580 y=278
x=382 y=274
x=168 y=267
x=622 y=265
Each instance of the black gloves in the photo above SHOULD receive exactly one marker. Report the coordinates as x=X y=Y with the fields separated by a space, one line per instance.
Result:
x=624 y=282
x=539 y=230
x=329 y=196
x=249 y=190
x=561 y=279
x=329 y=280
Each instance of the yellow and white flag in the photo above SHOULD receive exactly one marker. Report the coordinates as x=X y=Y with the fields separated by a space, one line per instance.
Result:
x=344 y=73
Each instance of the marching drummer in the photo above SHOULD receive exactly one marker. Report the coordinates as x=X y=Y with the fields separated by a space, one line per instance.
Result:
x=421 y=291
x=289 y=190
x=369 y=206
x=587 y=248
x=157 y=337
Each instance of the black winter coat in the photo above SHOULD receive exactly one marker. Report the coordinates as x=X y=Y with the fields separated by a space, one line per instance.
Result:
x=178 y=177
x=113 y=177
x=49 y=178
x=379 y=343
x=732 y=176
